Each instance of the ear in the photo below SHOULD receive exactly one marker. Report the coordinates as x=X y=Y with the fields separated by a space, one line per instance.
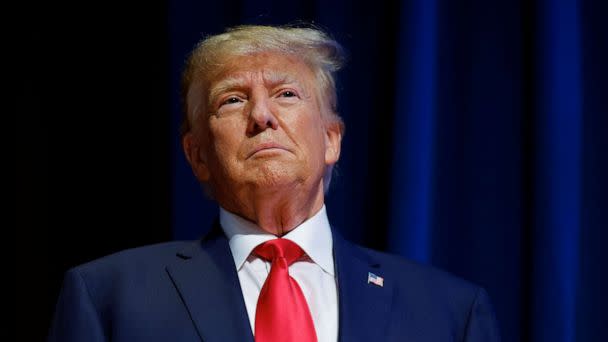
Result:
x=192 y=150
x=333 y=142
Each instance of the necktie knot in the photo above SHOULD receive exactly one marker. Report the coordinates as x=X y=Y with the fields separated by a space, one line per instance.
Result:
x=279 y=248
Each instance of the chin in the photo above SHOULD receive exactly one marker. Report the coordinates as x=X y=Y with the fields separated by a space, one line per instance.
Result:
x=271 y=175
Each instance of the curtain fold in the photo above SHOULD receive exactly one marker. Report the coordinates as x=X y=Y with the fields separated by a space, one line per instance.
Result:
x=411 y=189
x=558 y=170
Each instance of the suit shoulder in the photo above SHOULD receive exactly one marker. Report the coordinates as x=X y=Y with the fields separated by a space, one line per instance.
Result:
x=423 y=275
x=139 y=258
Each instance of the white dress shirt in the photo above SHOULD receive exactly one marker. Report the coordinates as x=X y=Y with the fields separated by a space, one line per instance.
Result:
x=314 y=272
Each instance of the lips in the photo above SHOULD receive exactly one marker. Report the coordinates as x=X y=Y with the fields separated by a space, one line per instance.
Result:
x=265 y=147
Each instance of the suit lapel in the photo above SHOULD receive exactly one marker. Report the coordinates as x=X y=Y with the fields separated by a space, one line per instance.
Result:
x=207 y=282
x=364 y=307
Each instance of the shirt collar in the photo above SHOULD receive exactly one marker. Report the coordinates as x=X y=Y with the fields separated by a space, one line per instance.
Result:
x=313 y=236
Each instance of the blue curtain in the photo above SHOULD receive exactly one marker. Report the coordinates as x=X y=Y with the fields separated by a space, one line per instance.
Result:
x=476 y=141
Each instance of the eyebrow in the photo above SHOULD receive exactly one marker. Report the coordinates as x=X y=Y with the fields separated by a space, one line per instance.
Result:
x=271 y=79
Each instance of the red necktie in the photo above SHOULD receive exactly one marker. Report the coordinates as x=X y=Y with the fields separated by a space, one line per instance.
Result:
x=282 y=313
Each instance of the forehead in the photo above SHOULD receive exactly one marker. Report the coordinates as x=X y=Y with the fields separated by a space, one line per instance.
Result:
x=272 y=67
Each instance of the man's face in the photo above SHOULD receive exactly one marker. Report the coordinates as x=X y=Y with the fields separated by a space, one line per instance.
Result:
x=261 y=128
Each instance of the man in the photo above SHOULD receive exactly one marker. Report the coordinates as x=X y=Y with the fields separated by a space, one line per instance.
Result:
x=261 y=133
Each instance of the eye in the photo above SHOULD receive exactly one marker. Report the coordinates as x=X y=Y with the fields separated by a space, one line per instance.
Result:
x=231 y=100
x=287 y=93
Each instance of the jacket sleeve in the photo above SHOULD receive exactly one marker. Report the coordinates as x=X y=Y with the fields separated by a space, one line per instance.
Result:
x=76 y=318
x=482 y=325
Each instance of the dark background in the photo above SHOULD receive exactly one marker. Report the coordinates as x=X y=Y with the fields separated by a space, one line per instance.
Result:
x=476 y=142
x=93 y=156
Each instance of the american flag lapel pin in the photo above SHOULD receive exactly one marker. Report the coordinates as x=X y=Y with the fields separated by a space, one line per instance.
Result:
x=374 y=279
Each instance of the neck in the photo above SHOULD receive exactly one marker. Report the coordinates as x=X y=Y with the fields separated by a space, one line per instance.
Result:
x=279 y=212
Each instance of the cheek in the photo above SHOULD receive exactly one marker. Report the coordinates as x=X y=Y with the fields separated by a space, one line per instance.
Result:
x=315 y=131
x=312 y=134
x=225 y=137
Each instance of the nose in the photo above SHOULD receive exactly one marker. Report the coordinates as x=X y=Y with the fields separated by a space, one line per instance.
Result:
x=261 y=117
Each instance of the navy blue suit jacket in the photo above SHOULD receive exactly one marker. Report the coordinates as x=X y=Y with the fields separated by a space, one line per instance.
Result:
x=189 y=291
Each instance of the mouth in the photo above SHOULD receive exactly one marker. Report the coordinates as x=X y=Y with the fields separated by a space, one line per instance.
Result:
x=267 y=148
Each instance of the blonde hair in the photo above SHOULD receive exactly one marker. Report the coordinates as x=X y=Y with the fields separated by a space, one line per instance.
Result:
x=321 y=53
